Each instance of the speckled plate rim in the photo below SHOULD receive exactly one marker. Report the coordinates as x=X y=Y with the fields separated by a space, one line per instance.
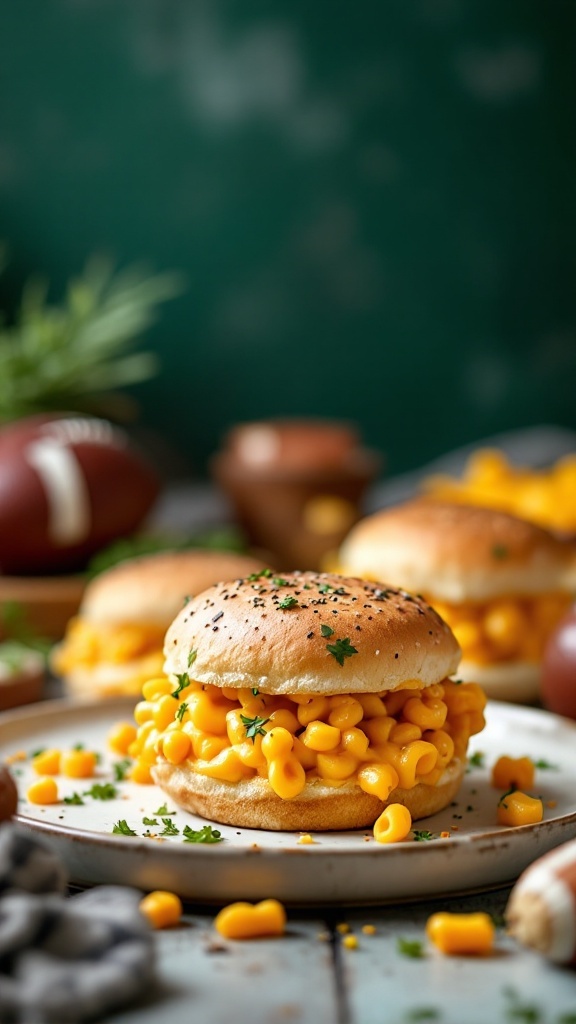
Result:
x=340 y=867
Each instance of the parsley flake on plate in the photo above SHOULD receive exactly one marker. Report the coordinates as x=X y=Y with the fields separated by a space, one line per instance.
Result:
x=170 y=829
x=410 y=947
x=121 y=769
x=163 y=811
x=102 y=791
x=74 y=799
x=206 y=834
x=122 y=828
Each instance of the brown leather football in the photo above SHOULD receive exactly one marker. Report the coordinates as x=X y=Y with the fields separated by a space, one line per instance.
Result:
x=69 y=485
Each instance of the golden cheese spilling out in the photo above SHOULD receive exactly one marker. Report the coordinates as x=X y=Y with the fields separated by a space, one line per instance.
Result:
x=88 y=644
x=506 y=629
x=381 y=741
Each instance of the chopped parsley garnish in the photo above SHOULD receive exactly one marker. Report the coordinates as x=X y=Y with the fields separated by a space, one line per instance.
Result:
x=325 y=588
x=102 y=791
x=36 y=753
x=501 y=802
x=79 y=746
x=279 y=582
x=181 y=711
x=499 y=551
x=341 y=649
x=122 y=828
x=326 y=630
x=542 y=763
x=476 y=760
x=517 y=1011
x=192 y=655
x=183 y=681
x=75 y=799
x=121 y=768
x=254 y=726
x=163 y=811
x=288 y=602
x=410 y=947
x=422 y=835
x=206 y=834
x=149 y=821
x=255 y=691
x=258 y=575
x=170 y=829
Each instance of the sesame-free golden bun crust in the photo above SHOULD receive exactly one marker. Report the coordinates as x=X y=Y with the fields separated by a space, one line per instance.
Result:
x=153 y=588
x=275 y=633
x=456 y=552
x=251 y=803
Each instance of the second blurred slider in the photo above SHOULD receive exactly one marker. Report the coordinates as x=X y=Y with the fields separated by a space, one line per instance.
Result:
x=115 y=642
x=501 y=583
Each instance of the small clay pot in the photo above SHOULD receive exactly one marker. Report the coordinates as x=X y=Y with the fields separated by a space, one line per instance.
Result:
x=296 y=486
x=22 y=675
x=38 y=606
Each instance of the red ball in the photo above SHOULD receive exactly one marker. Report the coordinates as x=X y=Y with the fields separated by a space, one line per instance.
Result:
x=8 y=794
x=558 y=684
x=69 y=485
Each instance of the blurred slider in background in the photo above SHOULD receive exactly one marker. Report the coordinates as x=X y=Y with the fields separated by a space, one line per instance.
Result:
x=500 y=582
x=115 y=642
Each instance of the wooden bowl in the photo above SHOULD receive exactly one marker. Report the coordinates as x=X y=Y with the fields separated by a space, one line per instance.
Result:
x=38 y=607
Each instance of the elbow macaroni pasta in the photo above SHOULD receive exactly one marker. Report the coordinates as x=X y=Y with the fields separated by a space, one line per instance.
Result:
x=510 y=629
x=380 y=741
x=461 y=934
x=393 y=825
x=543 y=496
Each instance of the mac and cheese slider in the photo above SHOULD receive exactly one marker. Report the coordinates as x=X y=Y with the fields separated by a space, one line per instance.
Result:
x=501 y=583
x=306 y=701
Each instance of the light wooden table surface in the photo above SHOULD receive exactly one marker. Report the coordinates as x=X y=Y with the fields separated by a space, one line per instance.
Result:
x=310 y=977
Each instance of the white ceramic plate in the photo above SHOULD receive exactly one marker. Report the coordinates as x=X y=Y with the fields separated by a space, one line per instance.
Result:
x=345 y=867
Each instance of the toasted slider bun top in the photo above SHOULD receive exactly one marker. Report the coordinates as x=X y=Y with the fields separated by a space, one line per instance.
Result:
x=152 y=588
x=456 y=552
x=306 y=632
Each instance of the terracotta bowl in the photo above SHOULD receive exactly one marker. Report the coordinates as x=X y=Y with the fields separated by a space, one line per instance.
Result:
x=38 y=606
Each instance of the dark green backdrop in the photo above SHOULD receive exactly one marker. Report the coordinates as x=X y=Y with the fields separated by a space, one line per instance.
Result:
x=373 y=202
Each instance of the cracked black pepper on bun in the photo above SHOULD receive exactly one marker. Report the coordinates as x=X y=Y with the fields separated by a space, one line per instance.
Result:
x=307 y=701
x=500 y=582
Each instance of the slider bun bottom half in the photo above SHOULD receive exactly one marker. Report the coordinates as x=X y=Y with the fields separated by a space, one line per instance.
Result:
x=251 y=803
